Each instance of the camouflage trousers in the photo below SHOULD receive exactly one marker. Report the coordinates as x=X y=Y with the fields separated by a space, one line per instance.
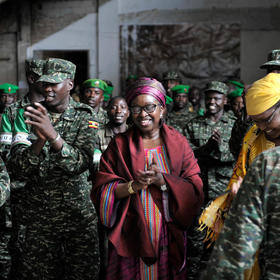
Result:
x=5 y=257
x=60 y=244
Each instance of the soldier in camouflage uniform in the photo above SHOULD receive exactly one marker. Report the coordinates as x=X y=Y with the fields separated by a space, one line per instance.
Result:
x=170 y=79
x=273 y=62
x=182 y=110
x=5 y=259
x=118 y=113
x=209 y=136
x=252 y=224
x=11 y=125
x=92 y=94
x=8 y=95
x=61 y=240
x=4 y=184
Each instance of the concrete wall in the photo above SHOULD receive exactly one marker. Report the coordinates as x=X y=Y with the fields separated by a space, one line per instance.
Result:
x=74 y=25
x=79 y=35
x=259 y=21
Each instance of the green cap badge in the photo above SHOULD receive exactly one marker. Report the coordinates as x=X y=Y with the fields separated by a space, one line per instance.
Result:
x=57 y=70
x=217 y=86
x=8 y=88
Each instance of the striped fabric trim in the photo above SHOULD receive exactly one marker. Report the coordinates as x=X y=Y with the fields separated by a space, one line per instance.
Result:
x=107 y=207
x=6 y=138
x=21 y=138
x=152 y=214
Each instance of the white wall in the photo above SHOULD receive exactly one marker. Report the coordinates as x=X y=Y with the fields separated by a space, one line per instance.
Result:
x=80 y=35
x=108 y=58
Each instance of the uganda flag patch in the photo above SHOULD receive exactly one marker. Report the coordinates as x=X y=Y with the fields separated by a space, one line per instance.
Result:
x=93 y=124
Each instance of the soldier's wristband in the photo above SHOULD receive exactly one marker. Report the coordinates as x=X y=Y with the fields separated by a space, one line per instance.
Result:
x=55 y=140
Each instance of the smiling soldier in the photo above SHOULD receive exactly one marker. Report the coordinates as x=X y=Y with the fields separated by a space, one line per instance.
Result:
x=209 y=136
x=61 y=234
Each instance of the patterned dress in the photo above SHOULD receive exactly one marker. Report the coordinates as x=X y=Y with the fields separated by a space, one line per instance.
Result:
x=135 y=268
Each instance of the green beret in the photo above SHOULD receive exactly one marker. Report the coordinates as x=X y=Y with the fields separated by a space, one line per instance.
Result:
x=236 y=93
x=94 y=83
x=180 y=89
x=132 y=77
x=219 y=87
x=106 y=96
x=8 y=88
x=57 y=70
x=169 y=100
x=237 y=84
x=108 y=90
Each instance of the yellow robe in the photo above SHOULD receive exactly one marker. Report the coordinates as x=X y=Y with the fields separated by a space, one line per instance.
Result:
x=214 y=215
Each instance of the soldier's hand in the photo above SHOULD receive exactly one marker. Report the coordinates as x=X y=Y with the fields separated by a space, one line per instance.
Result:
x=216 y=136
x=39 y=119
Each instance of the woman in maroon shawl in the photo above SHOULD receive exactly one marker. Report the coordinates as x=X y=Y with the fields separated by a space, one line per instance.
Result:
x=147 y=192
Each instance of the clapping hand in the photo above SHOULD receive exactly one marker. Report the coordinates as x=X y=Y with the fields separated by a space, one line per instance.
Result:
x=39 y=119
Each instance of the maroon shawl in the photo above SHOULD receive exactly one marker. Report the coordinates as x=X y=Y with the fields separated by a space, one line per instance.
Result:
x=123 y=157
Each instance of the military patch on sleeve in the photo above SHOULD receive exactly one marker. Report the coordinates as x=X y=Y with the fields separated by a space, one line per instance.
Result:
x=93 y=124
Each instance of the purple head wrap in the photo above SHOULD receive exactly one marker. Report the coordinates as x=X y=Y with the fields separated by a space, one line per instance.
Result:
x=148 y=86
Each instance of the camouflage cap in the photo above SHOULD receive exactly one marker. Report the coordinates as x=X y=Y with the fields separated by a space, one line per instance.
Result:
x=273 y=59
x=34 y=66
x=57 y=70
x=172 y=75
x=217 y=86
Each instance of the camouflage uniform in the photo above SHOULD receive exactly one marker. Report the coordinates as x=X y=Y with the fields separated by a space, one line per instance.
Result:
x=4 y=183
x=252 y=224
x=61 y=240
x=216 y=170
x=105 y=135
x=179 y=120
x=101 y=116
x=240 y=128
x=14 y=208
x=216 y=167
x=5 y=259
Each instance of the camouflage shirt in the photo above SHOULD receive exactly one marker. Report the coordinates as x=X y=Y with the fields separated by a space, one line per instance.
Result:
x=252 y=224
x=101 y=116
x=64 y=168
x=105 y=135
x=216 y=166
x=240 y=128
x=179 y=120
x=4 y=183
